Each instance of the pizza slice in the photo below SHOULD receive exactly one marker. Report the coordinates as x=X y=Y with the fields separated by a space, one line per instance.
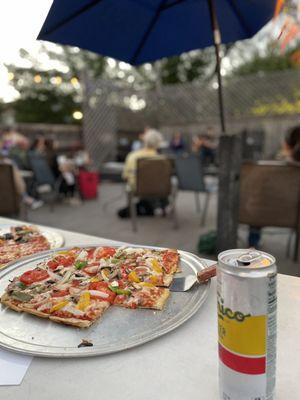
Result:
x=21 y=241
x=142 y=295
x=22 y=289
x=147 y=265
x=81 y=313
x=77 y=303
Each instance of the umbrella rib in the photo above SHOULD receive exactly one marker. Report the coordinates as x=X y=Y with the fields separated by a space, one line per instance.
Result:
x=240 y=17
x=175 y=3
x=72 y=16
x=147 y=32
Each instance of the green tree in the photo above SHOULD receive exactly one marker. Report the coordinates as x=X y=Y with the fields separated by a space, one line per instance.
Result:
x=52 y=95
x=272 y=60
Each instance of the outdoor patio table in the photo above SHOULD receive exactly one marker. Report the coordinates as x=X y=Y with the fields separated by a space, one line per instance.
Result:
x=180 y=365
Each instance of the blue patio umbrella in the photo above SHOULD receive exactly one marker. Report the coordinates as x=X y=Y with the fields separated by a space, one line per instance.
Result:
x=140 y=31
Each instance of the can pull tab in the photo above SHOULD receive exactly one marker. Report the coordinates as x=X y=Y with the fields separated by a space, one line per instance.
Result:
x=248 y=258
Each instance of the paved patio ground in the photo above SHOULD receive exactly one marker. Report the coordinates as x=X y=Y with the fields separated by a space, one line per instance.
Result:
x=98 y=217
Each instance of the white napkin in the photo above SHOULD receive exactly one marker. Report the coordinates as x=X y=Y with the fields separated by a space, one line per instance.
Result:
x=13 y=367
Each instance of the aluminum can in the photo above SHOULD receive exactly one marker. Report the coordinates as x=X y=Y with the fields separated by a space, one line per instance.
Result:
x=247 y=306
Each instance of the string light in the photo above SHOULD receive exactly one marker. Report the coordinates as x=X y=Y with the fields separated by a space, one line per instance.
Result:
x=75 y=81
x=56 y=80
x=37 y=79
x=77 y=115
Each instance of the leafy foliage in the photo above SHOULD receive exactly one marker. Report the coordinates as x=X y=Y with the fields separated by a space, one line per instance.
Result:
x=51 y=96
x=272 y=60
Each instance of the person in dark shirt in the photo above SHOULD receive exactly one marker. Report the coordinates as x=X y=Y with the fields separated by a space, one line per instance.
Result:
x=51 y=156
x=177 y=144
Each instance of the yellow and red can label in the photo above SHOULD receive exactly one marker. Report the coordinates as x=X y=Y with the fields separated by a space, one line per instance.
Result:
x=242 y=341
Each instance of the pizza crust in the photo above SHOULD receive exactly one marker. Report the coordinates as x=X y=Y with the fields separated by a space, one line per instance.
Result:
x=33 y=311
x=79 y=323
x=7 y=301
x=167 y=280
x=161 y=301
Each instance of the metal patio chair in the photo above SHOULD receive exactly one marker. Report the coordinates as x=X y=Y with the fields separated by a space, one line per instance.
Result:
x=45 y=184
x=270 y=197
x=190 y=176
x=153 y=182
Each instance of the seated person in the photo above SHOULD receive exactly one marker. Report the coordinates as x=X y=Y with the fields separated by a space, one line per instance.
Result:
x=291 y=146
x=205 y=147
x=152 y=140
x=68 y=183
x=177 y=144
x=21 y=187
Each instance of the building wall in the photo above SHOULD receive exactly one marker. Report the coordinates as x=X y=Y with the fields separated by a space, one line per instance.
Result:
x=65 y=135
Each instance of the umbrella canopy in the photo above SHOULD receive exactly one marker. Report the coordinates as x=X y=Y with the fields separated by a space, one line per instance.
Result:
x=139 y=31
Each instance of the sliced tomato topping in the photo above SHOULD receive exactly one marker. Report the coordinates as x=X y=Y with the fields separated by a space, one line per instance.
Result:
x=103 y=287
x=52 y=264
x=66 y=261
x=98 y=285
x=105 y=252
x=75 y=282
x=90 y=253
x=60 y=293
x=90 y=270
x=34 y=275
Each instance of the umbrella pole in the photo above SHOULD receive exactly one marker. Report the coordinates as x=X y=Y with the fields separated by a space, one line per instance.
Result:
x=217 y=43
x=229 y=160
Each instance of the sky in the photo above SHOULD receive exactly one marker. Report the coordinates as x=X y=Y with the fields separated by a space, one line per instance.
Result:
x=20 y=23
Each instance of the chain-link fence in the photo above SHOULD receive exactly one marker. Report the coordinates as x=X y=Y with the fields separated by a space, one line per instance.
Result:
x=110 y=108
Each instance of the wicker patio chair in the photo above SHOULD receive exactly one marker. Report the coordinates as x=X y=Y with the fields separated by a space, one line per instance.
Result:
x=270 y=197
x=10 y=201
x=153 y=181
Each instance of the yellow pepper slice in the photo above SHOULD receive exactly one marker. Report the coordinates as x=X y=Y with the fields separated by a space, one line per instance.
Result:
x=147 y=284
x=63 y=252
x=106 y=271
x=95 y=279
x=153 y=279
x=132 y=276
x=156 y=266
x=58 y=306
x=84 y=301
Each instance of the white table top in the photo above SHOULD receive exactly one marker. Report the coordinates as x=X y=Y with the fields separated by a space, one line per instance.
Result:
x=180 y=365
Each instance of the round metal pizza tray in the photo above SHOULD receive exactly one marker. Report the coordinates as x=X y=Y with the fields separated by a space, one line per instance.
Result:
x=119 y=329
